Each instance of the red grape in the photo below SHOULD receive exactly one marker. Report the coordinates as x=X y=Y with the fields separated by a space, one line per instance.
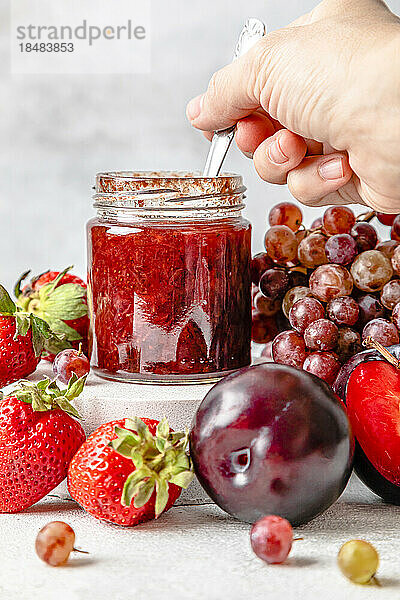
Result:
x=298 y=278
x=348 y=344
x=271 y=539
x=263 y=328
x=324 y=365
x=338 y=219
x=287 y=214
x=390 y=294
x=386 y=219
x=304 y=312
x=281 y=244
x=371 y=270
x=370 y=308
x=365 y=236
x=266 y=306
x=311 y=251
x=395 y=231
x=341 y=249
x=316 y=224
x=260 y=263
x=330 y=281
x=382 y=331
x=54 y=543
x=292 y=296
x=396 y=261
x=274 y=283
x=68 y=362
x=288 y=348
x=387 y=248
x=321 y=335
x=343 y=310
x=396 y=316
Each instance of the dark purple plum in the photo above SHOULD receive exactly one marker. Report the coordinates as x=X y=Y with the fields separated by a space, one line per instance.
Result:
x=271 y=439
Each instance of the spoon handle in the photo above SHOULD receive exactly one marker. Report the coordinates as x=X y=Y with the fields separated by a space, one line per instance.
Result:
x=253 y=31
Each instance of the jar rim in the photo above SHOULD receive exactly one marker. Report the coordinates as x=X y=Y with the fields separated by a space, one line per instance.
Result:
x=175 y=190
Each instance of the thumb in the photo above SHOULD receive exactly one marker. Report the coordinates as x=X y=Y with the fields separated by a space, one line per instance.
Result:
x=231 y=94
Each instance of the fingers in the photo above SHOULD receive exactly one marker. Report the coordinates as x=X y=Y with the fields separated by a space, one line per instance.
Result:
x=318 y=177
x=252 y=131
x=278 y=155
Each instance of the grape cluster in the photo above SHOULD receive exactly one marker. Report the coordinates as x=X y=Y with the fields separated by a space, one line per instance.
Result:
x=318 y=293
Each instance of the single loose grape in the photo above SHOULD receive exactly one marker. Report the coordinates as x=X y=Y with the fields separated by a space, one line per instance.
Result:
x=371 y=270
x=396 y=316
x=386 y=219
x=341 y=249
x=54 y=543
x=390 y=294
x=321 y=335
x=343 y=310
x=68 y=362
x=358 y=560
x=286 y=213
x=281 y=244
x=263 y=328
x=271 y=539
x=304 y=312
x=325 y=365
x=311 y=251
x=396 y=261
x=259 y=263
x=288 y=348
x=338 y=219
x=266 y=306
x=395 y=231
x=292 y=296
x=365 y=236
x=348 y=344
x=274 y=283
x=387 y=248
x=370 y=308
x=382 y=331
x=330 y=281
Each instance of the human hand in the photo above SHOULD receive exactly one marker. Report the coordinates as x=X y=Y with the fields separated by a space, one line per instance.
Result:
x=317 y=105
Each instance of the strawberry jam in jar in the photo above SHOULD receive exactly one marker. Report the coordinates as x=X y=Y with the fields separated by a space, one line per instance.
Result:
x=169 y=277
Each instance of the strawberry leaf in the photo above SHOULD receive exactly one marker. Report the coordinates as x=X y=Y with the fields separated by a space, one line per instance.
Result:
x=17 y=287
x=7 y=306
x=22 y=324
x=145 y=491
x=161 y=496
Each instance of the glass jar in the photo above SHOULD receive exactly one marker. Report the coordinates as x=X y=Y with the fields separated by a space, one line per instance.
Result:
x=169 y=277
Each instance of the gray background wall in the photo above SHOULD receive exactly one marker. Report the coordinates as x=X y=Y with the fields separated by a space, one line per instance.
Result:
x=57 y=131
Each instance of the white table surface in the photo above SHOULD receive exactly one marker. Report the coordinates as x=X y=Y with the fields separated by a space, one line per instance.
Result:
x=195 y=552
x=199 y=553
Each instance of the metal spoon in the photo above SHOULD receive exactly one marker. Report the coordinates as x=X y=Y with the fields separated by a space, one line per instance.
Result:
x=253 y=31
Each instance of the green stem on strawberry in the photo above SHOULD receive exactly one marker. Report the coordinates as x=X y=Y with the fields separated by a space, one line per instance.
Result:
x=369 y=342
x=46 y=395
x=159 y=460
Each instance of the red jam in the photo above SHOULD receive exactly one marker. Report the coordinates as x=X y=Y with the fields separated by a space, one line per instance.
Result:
x=170 y=296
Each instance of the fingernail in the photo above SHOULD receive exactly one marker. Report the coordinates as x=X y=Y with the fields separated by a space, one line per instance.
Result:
x=332 y=168
x=248 y=154
x=276 y=154
x=194 y=108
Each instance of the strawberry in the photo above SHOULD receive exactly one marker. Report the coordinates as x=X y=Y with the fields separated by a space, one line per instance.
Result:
x=38 y=437
x=130 y=471
x=22 y=339
x=60 y=299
